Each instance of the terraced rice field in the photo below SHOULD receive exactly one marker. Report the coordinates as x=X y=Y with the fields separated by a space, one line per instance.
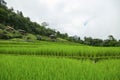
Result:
x=51 y=68
x=57 y=49
x=57 y=61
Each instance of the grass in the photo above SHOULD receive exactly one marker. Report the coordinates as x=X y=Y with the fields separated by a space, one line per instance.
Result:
x=41 y=60
x=51 y=68
x=57 y=49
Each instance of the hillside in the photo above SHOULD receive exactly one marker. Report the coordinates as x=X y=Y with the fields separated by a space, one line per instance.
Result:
x=17 y=21
x=15 y=25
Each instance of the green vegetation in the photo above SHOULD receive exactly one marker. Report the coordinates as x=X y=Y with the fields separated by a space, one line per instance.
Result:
x=30 y=51
x=50 y=68
x=111 y=41
x=57 y=49
x=8 y=17
x=12 y=23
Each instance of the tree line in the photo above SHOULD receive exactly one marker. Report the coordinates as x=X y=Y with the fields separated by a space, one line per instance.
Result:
x=111 y=41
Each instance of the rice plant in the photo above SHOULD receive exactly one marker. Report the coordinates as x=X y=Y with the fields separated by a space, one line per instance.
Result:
x=57 y=49
x=52 y=68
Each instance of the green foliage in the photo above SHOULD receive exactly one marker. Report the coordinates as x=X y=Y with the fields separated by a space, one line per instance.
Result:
x=50 y=68
x=39 y=37
x=3 y=15
x=99 y=42
x=18 y=21
x=67 y=49
x=2 y=26
x=4 y=34
x=30 y=37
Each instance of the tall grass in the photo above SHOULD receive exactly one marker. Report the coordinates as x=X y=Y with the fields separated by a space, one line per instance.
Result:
x=57 y=49
x=44 y=68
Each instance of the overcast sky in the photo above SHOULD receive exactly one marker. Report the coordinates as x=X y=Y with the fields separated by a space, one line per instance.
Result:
x=95 y=18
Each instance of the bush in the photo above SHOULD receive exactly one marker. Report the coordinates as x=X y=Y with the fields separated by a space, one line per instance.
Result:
x=2 y=26
x=8 y=35
x=39 y=37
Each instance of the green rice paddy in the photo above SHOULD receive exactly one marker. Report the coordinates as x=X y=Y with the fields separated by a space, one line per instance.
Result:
x=57 y=49
x=57 y=61
x=44 y=68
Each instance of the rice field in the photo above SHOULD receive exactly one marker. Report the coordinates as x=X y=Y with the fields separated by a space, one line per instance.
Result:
x=57 y=61
x=51 y=68
x=57 y=49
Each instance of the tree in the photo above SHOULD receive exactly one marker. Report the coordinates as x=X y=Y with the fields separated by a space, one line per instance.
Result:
x=88 y=40
x=11 y=9
x=97 y=42
x=111 y=41
x=2 y=3
x=44 y=24
x=3 y=16
x=111 y=37
x=58 y=34
x=20 y=13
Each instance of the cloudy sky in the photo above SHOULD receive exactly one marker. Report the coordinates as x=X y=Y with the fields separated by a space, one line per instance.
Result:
x=95 y=18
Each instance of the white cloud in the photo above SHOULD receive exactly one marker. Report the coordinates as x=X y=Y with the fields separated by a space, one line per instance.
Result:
x=101 y=16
